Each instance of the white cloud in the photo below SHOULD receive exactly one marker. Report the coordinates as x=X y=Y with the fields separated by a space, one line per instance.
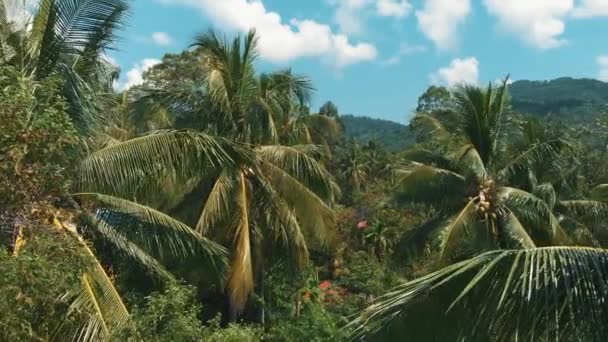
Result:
x=162 y=38
x=591 y=8
x=393 y=8
x=281 y=41
x=439 y=20
x=135 y=75
x=539 y=23
x=602 y=62
x=351 y=14
x=459 y=71
x=404 y=50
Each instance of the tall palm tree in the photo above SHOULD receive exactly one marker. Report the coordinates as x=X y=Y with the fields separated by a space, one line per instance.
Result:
x=65 y=39
x=465 y=176
x=272 y=196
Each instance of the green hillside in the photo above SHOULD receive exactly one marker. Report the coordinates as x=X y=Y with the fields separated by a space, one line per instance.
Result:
x=565 y=99
x=391 y=134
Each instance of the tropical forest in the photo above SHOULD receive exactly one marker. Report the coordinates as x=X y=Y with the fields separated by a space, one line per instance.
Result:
x=212 y=201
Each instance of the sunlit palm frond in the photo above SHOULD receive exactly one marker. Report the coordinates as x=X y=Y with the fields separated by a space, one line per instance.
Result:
x=460 y=229
x=556 y=293
x=314 y=215
x=299 y=162
x=138 y=165
x=240 y=280
x=97 y=297
x=534 y=214
x=469 y=161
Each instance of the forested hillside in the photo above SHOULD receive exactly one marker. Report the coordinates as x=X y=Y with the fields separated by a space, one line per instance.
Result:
x=564 y=99
x=393 y=135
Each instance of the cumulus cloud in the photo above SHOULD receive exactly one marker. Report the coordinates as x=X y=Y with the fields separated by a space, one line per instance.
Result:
x=162 y=38
x=439 y=20
x=393 y=8
x=602 y=62
x=591 y=8
x=351 y=14
x=135 y=75
x=282 y=41
x=458 y=71
x=404 y=50
x=539 y=23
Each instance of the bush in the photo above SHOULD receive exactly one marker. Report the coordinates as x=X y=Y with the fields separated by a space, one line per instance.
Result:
x=172 y=315
x=33 y=284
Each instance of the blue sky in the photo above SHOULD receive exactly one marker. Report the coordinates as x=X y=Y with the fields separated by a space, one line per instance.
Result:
x=375 y=57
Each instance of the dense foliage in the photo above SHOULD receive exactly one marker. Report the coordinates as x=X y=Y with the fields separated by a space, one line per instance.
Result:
x=211 y=203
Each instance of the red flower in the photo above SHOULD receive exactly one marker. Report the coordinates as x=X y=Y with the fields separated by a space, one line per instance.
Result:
x=362 y=225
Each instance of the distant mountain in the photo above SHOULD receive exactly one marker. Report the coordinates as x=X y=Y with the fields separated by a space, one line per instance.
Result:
x=565 y=99
x=393 y=135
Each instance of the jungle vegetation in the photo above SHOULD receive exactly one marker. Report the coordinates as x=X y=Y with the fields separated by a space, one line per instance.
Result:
x=212 y=203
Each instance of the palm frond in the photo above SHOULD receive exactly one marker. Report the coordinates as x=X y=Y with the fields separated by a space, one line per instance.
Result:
x=425 y=156
x=97 y=297
x=240 y=280
x=139 y=166
x=130 y=249
x=556 y=293
x=583 y=208
x=218 y=203
x=315 y=216
x=469 y=160
x=546 y=192
x=299 y=162
x=514 y=234
x=539 y=151
x=430 y=185
x=535 y=214
x=156 y=233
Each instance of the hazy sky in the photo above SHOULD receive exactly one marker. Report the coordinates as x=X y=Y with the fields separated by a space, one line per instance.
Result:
x=374 y=57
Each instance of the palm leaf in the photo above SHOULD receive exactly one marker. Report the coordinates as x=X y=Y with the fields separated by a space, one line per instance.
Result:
x=299 y=163
x=158 y=234
x=556 y=293
x=139 y=166
x=430 y=185
x=583 y=208
x=218 y=203
x=240 y=280
x=535 y=214
x=97 y=297
x=315 y=216
x=514 y=234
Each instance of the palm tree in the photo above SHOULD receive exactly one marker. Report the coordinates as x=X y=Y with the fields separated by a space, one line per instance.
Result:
x=65 y=39
x=465 y=176
x=380 y=238
x=271 y=196
x=355 y=168
x=551 y=293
